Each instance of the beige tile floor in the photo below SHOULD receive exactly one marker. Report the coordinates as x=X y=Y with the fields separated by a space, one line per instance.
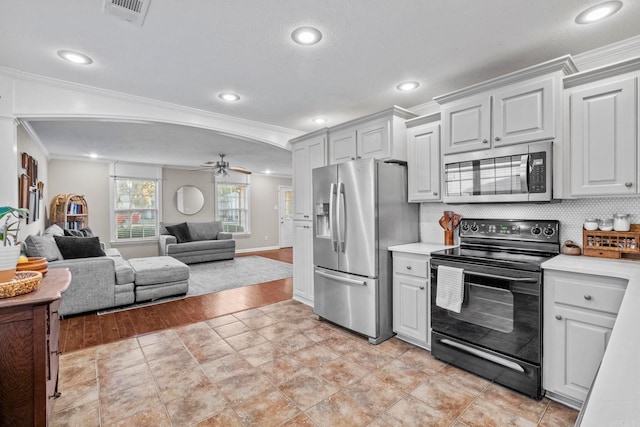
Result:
x=278 y=365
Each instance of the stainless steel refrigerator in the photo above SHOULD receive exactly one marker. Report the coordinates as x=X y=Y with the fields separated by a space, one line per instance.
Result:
x=360 y=209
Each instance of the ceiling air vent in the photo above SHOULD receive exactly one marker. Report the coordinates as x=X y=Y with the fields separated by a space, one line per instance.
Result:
x=133 y=11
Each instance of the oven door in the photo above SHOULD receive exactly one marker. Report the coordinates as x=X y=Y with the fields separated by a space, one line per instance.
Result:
x=501 y=311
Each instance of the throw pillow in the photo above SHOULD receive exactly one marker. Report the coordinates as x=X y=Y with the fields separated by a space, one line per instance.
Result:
x=87 y=232
x=42 y=246
x=54 y=230
x=73 y=233
x=79 y=247
x=180 y=231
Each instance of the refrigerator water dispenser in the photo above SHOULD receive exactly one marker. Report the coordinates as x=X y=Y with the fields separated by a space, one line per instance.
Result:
x=322 y=220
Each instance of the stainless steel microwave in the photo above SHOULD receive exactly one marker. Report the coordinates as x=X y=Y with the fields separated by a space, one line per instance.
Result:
x=516 y=173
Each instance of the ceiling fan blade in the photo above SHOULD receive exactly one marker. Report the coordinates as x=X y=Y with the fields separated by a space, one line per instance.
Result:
x=240 y=170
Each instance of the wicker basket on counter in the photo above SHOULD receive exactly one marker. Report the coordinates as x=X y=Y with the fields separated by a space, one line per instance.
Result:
x=24 y=282
x=612 y=244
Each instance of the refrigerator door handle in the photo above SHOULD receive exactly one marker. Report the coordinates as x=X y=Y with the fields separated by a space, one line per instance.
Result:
x=332 y=228
x=341 y=279
x=341 y=225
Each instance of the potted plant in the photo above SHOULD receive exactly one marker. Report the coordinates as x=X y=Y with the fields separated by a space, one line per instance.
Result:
x=9 y=246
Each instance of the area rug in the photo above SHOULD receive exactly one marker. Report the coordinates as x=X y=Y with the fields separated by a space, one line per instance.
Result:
x=208 y=277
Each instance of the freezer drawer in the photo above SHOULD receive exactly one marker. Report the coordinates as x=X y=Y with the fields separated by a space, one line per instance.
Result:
x=348 y=300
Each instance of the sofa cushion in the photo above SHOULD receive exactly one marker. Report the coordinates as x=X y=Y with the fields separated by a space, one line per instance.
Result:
x=156 y=270
x=204 y=230
x=79 y=247
x=201 y=245
x=42 y=246
x=180 y=231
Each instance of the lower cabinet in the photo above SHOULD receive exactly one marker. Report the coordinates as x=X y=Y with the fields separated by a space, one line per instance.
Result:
x=411 y=311
x=579 y=314
x=303 y=262
x=29 y=333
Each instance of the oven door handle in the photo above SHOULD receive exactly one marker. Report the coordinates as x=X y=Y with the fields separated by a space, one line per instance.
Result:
x=511 y=279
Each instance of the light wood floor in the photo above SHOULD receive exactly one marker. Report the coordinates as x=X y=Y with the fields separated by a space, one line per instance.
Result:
x=78 y=332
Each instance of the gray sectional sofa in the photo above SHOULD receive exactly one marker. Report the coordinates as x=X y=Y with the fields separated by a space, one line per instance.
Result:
x=194 y=242
x=101 y=280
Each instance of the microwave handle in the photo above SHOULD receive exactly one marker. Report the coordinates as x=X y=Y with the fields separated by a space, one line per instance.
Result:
x=524 y=173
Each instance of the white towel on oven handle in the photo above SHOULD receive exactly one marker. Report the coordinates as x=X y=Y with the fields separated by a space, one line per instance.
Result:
x=450 y=288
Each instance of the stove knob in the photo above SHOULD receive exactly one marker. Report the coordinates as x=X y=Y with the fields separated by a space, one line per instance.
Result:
x=536 y=231
x=465 y=226
x=474 y=228
x=549 y=231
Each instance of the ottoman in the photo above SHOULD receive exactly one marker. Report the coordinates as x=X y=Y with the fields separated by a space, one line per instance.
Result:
x=159 y=277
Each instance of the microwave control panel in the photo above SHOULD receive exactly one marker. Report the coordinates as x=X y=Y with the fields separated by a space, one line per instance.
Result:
x=537 y=172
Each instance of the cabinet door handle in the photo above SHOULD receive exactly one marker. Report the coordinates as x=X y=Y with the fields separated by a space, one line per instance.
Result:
x=497 y=138
x=485 y=141
x=421 y=288
x=435 y=193
x=408 y=267
x=587 y=297
x=558 y=317
x=628 y=184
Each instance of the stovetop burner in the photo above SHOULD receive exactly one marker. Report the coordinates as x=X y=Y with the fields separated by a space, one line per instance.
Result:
x=521 y=244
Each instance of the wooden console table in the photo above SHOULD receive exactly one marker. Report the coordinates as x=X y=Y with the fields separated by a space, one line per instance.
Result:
x=29 y=331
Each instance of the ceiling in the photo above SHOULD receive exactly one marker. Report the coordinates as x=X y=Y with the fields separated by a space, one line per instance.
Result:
x=187 y=52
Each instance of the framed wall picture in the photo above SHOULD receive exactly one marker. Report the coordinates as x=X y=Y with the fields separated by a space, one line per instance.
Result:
x=34 y=203
x=23 y=191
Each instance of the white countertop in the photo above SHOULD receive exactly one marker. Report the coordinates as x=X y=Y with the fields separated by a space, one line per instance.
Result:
x=615 y=395
x=420 y=248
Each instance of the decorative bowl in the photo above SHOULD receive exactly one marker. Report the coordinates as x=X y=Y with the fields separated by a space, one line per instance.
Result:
x=34 y=264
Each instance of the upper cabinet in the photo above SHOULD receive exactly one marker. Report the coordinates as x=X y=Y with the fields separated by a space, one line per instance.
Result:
x=603 y=134
x=423 y=158
x=308 y=152
x=380 y=136
x=524 y=106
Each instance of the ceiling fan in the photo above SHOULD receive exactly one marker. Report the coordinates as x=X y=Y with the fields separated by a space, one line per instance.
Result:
x=222 y=168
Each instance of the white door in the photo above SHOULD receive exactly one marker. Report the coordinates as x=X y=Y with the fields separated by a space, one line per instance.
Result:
x=285 y=207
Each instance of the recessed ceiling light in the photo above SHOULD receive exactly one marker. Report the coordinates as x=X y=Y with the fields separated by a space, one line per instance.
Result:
x=74 y=57
x=319 y=120
x=407 y=86
x=93 y=155
x=306 y=35
x=267 y=172
x=229 y=96
x=598 y=12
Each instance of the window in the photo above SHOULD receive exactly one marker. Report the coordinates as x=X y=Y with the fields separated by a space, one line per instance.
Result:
x=135 y=208
x=233 y=207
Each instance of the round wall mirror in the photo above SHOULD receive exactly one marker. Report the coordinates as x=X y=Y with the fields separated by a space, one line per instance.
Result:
x=189 y=199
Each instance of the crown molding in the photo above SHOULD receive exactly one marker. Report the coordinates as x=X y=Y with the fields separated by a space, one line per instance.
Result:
x=611 y=53
x=562 y=64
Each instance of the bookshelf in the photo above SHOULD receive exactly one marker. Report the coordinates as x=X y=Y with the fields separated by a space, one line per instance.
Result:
x=69 y=211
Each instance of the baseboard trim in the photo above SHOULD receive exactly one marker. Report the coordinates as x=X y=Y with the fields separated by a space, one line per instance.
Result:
x=266 y=248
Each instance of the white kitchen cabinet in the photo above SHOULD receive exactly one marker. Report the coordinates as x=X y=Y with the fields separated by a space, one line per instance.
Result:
x=523 y=106
x=603 y=140
x=303 y=262
x=308 y=152
x=518 y=113
x=411 y=309
x=423 y=159
x=380 y=136
x=579 y=314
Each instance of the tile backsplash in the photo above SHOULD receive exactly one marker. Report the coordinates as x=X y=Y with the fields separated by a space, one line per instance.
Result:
x=570 y=213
